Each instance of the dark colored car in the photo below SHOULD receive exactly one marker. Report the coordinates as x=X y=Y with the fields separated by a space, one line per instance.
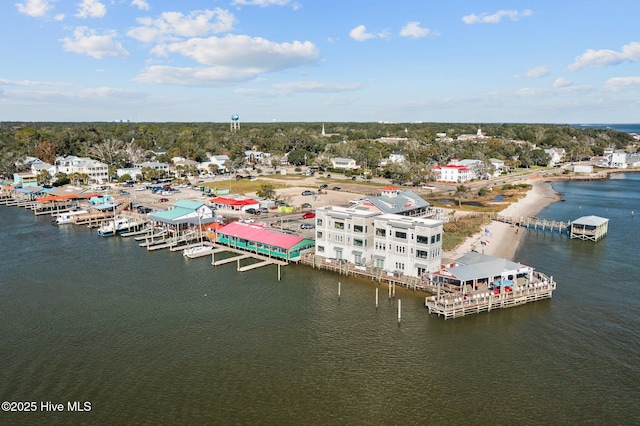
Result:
x=163 y=200
x=323 y=186
x=306 y=206
x=336 y=188
x=251 y=210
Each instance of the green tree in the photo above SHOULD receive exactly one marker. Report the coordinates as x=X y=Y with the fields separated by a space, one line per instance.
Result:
x=266 y=191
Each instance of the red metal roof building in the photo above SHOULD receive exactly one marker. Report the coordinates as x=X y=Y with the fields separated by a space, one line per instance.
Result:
x=262 y=240
x=237 y=204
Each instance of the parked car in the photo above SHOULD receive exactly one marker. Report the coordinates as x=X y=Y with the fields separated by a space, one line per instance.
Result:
x=307 y=226
x=144 y=210
x=263 y=210
x=163 y=200
x=307 y=192
x=309 y=215
x=336 y=188
x=323 y=186
x=306 y=206
x=251 y=210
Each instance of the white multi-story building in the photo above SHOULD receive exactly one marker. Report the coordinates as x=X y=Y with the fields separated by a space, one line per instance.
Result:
x=393 y=243
x=97 y=171
x=453 y=172
x=408 y=246
x=343 y=163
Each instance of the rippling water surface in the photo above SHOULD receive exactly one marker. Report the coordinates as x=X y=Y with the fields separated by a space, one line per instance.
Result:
x=149 y=337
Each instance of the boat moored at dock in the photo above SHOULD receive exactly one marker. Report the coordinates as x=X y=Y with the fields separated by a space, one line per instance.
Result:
x=117 y=226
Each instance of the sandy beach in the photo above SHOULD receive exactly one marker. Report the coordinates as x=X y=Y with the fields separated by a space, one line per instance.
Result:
x=504 y=239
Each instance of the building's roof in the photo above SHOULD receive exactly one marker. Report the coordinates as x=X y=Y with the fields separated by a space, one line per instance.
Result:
x=590 y=221
x=453 y=166
x=474 y=265
x=188 y=204
x=234 y=201
x=342 y=159
x=389 y=188
x=402 y=202
x=260 y=234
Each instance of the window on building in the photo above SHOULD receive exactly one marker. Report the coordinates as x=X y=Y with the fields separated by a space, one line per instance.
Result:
x=400 y=234
x=319 y=222
x=339 y=238
x=358 y=228
x=433 y=239
x=358 y=242
x=421 y=239
x=400 y=249
x=321 y=249
x=319 y=235
x=381 y=232
x=399 y=266
x=422 y=254
x=338 y=225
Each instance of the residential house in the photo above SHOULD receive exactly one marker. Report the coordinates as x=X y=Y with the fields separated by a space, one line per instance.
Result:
x=456 y=172
x=555 y=155
x=343 y=163
x=97 y=171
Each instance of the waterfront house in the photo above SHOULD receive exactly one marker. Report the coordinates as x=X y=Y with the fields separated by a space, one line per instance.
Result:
x=264 y=241
x=591 y=228
x=391 y=243
x=25 y=179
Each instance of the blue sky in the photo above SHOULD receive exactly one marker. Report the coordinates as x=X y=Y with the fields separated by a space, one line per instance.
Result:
x=320 y=60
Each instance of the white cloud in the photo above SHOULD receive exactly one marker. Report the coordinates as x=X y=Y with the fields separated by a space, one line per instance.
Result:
x=316 y=87
x=30 y=83
x=231 y=59
x=88 y=42
x=562 y=82
x=34 y=8
x=244 y=52
x=485 y=18
x=287 y=89
x=535 y=72
x=413 y=29
x=360 y=33
x=171 y=25
x=91 y=9
x=59 y=17
x=190 y=76
x=605 y=57
x=140 y=4
x=265 y=3
x=617 y=84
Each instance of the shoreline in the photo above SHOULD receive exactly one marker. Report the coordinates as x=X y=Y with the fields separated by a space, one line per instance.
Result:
x=504 y=240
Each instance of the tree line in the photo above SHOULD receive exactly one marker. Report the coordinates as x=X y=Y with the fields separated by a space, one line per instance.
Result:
x=123 y=144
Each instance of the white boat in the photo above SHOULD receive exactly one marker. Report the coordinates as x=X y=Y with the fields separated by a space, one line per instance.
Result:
x=197 y=251
x=117 y=226
x=67 y=217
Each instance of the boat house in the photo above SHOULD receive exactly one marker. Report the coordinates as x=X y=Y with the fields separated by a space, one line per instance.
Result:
x=265 y=241
x=590 y=228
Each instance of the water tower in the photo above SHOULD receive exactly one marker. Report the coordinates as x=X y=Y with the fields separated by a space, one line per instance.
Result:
x=235 y=122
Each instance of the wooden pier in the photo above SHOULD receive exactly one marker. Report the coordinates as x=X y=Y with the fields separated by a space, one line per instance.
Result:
x=454 y=305
x=535 y=224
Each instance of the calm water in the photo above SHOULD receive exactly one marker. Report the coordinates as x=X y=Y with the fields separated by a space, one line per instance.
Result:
x=149 y=337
